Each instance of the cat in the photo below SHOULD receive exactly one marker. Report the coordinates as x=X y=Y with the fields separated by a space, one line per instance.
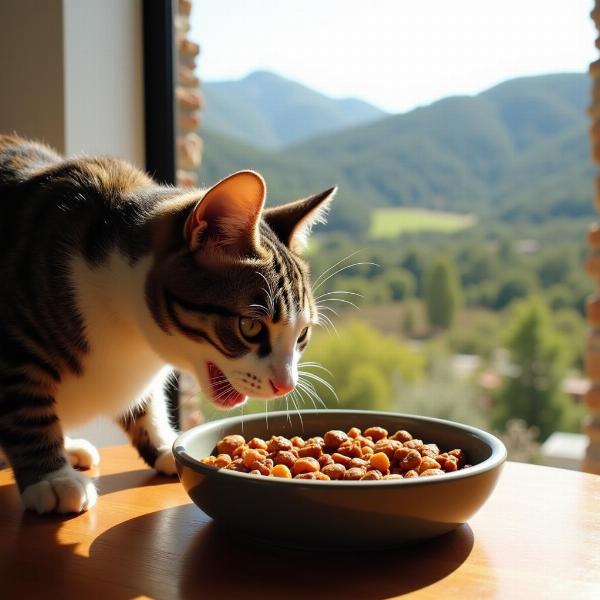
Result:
x=109 y=281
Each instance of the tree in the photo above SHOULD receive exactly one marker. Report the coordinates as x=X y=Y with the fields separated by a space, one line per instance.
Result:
x=400 y=283
x=409 y=318
x=514 y=285
x=362 y=363
x=442 y=293
x=532 y=391
x=414 y=263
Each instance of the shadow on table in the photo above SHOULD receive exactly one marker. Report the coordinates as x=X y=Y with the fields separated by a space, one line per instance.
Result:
x=107 y=484
x=179 y=553
x=63 y=571
x=221 y=565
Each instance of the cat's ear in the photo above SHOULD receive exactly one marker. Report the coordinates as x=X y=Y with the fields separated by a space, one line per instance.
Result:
x=228 y=215
x=292 y=222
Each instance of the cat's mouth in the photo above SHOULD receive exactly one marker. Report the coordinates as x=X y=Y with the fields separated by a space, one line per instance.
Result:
x=222 y=392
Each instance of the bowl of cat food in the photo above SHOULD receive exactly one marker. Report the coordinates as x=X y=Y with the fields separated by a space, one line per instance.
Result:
x=338 y=478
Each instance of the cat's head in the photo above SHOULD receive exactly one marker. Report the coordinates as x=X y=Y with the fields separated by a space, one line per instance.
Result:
x=236 y=303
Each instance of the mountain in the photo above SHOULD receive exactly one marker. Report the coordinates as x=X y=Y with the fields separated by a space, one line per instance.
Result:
x=268 y=111
x=518 y=151
x=287 y=178
x=462 y=153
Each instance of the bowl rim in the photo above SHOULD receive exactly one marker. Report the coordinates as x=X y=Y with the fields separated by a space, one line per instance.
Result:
x=496 y=458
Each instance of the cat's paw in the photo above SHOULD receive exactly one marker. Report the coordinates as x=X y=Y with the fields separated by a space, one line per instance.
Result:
x=64 y=491
x=165 y=463
x=81 y=453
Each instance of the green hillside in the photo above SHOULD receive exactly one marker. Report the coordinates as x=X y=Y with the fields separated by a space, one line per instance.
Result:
x=269 y=111
x=287 y=178
x=518 y=151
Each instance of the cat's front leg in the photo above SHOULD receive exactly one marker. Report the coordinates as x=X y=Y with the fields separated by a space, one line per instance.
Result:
x=148 y=426
x=81 y=453
x=32 y=439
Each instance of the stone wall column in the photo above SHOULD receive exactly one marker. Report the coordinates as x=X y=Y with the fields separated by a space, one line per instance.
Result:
x=188 y=98
x=591 y=423
x=189 y=102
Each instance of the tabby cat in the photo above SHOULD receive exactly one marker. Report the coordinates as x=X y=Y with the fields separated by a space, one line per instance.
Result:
x=109 y=281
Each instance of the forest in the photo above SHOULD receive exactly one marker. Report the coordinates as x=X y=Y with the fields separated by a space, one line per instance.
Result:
x=450 y=277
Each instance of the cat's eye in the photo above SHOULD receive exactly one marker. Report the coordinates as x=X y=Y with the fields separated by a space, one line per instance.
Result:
x=303 y=335
x=250 y=328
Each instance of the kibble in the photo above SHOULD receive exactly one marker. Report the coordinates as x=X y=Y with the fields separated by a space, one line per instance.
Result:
x=257 y=443
x=297 y=441
x=312 y=450
x=354 y=473
x=428 y=463
x=305 y=465
x=374 y=474
x=356 y=455
x=250 y=456
x=281 y=471
x=334 y=438
x=334 y=471
x=278 y=442
x=222 y=460
x=285 y=457
x=375 y=433
x=229 y=443
x=380 y=461
x=354 y=432
x=324 y=460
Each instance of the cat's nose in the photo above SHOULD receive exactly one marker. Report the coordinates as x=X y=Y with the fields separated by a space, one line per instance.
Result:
x=281 y=388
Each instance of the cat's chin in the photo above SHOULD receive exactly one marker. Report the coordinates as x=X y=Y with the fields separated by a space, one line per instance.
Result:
x=222 y=393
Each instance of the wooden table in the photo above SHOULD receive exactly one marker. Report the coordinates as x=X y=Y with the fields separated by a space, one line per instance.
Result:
x=538 y=536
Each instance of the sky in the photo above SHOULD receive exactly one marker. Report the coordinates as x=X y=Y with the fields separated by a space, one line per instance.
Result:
x=396 y=54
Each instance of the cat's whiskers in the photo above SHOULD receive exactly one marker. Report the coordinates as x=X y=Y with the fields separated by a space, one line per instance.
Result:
x=325 y=294
x=320 y=322
x=302 y=389
x=339 y=262
x=258 y=311
x=328 y=321
x=305 y=384
x=266 y=415
x=228 y=393
x=356 y=264
x=311 y=392
x=314 y=391
x=319 y=379
x=292 y=397
x=287 y=410
x=338 y=300
x=269 y=293
x=317 y=365
x=321 y=307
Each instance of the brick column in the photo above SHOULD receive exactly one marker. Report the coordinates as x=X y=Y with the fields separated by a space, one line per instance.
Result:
x=591 y=423
x=188 y=98
x=189 y=102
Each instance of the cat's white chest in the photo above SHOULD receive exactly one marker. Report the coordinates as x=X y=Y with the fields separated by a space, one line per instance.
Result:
x=115 y=375
x=120 y=366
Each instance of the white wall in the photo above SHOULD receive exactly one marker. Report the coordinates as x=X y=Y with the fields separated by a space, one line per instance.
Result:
x=71 y=74
x=104 y=78
x=104 y=105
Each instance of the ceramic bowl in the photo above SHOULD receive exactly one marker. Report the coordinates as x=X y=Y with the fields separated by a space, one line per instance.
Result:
x=339 y=514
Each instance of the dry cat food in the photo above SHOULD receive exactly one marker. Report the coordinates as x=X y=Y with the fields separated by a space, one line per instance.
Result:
x=371 y=454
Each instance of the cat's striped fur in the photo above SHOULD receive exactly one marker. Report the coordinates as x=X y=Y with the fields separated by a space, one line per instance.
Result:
x=109 y=280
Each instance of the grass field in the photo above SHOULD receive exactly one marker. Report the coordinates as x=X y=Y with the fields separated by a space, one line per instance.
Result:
x=392 y=222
